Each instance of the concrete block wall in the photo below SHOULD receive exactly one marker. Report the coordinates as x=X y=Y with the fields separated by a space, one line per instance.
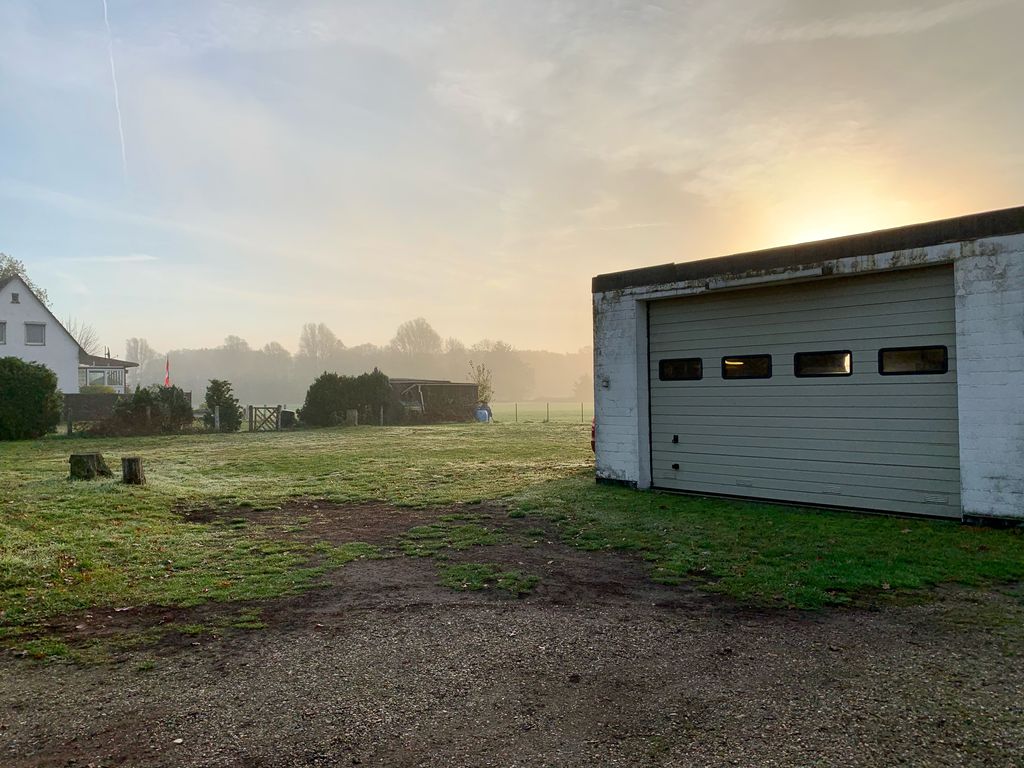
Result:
x=617 y=396
x=989 y=277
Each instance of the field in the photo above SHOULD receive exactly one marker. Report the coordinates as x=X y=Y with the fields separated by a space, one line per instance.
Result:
x=257 y=596
x=534 y=412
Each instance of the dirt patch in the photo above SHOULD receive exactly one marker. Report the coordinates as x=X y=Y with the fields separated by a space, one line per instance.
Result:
x=380 y=665
x=311 y=521
x=567 y=576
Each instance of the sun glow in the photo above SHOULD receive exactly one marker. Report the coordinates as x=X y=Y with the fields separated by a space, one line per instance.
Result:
x=826 y=224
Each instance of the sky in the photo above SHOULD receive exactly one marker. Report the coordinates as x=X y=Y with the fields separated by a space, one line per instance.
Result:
x=473 y=162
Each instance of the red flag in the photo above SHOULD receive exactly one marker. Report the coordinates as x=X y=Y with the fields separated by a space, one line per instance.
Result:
x=167 y=372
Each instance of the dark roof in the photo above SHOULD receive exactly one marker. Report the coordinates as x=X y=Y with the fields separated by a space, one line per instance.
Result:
x=1009 y=221
x=84 y=358
x=101 y=361
x=431 y=382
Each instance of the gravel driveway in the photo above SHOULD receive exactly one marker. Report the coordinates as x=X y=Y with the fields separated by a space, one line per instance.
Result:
x=599 y=666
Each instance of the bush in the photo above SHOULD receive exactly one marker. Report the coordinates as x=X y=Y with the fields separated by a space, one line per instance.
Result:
x=150 y=411
x=96 y=389
x=31 y=404
x=219 y=393
x=332 y=394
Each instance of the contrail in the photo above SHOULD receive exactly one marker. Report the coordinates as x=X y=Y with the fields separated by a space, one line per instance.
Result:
x=117 y=99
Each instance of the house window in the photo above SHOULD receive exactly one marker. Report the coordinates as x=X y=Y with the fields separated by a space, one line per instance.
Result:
x=681 y=369
x=15 y=298
x=808 y=364
x=3 y=333
x=97 y=378
x=115 y=377
x=747 y=367
x=82 y=377
x=35 y=334
x=911 y=361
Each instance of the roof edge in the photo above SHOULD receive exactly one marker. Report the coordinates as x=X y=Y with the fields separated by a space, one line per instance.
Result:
x=998 y=223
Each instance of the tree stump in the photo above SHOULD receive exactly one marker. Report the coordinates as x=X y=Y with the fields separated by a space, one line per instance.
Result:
x=131 y=471
x=88 y=466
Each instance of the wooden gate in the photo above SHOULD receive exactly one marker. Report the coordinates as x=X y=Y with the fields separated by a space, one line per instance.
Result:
x=264 y=418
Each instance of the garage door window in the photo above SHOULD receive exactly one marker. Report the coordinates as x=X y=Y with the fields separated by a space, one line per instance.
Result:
x=747 y=367
x=812 y=364
x=681 y=369
x=910 y=361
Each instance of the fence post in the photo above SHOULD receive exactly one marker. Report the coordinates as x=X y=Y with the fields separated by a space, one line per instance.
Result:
x=250 y=417
x=581 y=414
x=382 y=415
x=216 y=417
x=71 y=422
x=548 y=406
x=517 y=413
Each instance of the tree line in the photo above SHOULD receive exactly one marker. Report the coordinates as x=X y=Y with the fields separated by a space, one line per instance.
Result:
x=272 y=374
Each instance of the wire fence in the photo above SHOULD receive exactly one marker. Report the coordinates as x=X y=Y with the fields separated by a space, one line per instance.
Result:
x=541 y=412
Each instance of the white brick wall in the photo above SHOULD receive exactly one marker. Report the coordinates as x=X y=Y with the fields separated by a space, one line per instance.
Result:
x=990 y=375
x=617 y=400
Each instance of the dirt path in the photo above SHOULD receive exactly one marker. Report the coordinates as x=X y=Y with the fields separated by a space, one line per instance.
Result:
x=598 y=666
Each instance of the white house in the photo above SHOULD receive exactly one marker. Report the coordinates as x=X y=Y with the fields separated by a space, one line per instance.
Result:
x=29 y=331
x=882 y=371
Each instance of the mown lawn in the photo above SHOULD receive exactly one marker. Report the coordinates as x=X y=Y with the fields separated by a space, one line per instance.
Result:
x=67 y=546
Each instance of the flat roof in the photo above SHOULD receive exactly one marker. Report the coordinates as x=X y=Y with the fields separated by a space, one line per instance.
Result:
x=1008 y=221
x=432 y=382
x=85 y=360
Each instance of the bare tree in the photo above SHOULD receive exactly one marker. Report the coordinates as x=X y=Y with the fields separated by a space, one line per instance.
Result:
x=9 y=266
x=318 y=342
x=138 y=351
x=84 y=334
x=453 y=346
x=416 y=337
x=276 y=351
x=235 y=344
x=481 y=376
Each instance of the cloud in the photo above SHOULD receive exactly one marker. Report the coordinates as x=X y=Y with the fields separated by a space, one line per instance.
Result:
x=129 y=258
x=88 y=208
x=877 y=24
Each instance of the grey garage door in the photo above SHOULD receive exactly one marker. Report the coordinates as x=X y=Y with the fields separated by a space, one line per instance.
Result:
x=852 y=438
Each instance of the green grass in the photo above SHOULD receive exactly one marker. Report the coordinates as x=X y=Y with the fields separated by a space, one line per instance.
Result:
x=539 y=412
x=67 y=546
x=336 y=556
x=432 y=540
x=771 y=555
x=477 y=576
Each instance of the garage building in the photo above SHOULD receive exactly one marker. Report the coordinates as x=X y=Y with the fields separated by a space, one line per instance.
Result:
x=882 y=371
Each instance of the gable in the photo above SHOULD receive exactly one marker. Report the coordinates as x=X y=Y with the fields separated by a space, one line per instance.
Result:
x=29 y=306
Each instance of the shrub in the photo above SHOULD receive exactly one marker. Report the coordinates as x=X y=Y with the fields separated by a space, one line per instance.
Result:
x=149 y=411
x=332 y=394
x=219 y=393
x=31 y=404
x=96 y=389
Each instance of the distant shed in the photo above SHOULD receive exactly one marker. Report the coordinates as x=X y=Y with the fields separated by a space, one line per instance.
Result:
x=882 y=371
x=433 y=400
